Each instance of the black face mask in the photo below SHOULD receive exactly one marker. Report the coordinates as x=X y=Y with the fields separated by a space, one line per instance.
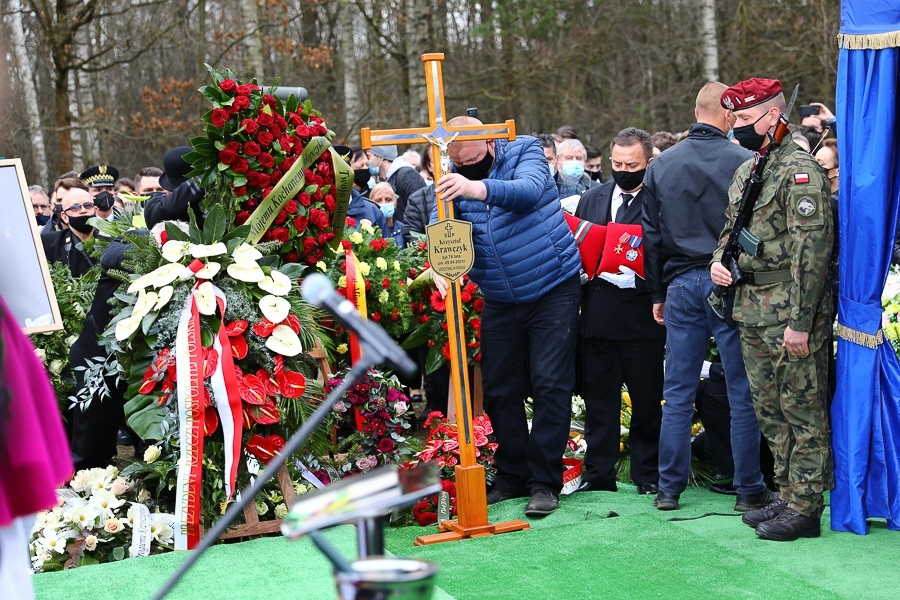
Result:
x=748 y=138
x=596 y=175
x=80 y=223
x=41 y=219
x=361 y=178
x=104 y=201
x=479 y=170
x=628 y=180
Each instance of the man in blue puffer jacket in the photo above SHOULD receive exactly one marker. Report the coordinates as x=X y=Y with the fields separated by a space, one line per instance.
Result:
x=527 y=264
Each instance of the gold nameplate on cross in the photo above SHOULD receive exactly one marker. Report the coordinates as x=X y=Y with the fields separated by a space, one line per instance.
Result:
x=451 y=255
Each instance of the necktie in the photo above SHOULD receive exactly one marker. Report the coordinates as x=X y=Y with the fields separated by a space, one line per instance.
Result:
x=626 y=200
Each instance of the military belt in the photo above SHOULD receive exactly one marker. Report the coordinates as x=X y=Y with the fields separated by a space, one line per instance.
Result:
x=767 y=277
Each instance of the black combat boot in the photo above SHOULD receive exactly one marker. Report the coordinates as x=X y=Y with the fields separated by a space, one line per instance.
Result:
x=789 y=526
x=767 y=513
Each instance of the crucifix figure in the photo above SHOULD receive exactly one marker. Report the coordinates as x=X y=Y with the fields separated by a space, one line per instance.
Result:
x=450 y=233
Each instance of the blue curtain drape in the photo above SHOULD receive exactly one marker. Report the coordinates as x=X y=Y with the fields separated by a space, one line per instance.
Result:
x=866 y=409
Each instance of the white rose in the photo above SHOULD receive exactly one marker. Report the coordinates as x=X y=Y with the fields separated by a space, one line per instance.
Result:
x=152 y=454
x=40 y=354
x=119 y=486
x=90 y=542
x=57 y=366
x=400 y=407
x=281 y=511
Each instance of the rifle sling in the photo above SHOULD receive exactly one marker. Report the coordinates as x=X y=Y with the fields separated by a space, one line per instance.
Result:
x=767 y=277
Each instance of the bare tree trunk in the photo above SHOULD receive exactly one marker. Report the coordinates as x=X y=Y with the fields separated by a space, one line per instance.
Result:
x=710 y=43
x=417 y=12
x=200 y=47
x=38 y=148
x=87 y=126
x=349 y=71
x=74 y=122
x=255 y=65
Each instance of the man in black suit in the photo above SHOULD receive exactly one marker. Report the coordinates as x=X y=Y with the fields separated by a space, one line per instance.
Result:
x=621 y=341
x=66 y=246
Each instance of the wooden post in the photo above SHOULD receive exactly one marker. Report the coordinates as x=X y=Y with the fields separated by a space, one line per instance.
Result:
x=472 y=518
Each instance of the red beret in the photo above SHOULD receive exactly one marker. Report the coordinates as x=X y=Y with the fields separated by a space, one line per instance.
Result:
x=749 y=93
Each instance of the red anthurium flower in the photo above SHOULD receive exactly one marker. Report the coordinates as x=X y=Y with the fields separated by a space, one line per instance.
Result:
x=210 y=360
x=265 y=448
x=236 y=328
x=264 y=328
x=269 y=384
x=207 y=398
x=266 y=414
x=291 y=384
x=252 y=390
x=210 y=421
x=239 y=347
x=294 y=323
x=279 y=363
x=151 y=377
x=248 y=418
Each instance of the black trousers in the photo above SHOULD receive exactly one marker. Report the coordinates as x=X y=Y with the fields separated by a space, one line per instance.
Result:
x=607 y=365
x=522 y=343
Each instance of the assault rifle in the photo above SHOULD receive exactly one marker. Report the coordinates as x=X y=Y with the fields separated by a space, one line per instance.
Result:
x=741 y=239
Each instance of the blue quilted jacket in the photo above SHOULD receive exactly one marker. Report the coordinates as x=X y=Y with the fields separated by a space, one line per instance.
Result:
x=523 y=246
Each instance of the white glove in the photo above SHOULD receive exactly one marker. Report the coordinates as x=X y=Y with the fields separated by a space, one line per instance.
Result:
x=623 y=279
x=704 y=372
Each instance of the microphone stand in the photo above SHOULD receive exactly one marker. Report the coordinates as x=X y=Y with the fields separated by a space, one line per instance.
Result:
x=369 y=358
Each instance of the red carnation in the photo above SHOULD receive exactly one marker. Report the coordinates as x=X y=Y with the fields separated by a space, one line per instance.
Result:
x=251 y=149
x=218 y=117
x=265 y=159
x=347 y=245
x=291 y=207
x=478 y=304
x=376 y=316
x=265 y=138
x=240 y=165
x=250 y=126
x=241 y=102
x=243 y=90
x=395 y=315
x=385 y=283
x=466 y=297
x=445 y=350
x=228 y=85
x=300 y=224
x=350 y=222
x=227 y=156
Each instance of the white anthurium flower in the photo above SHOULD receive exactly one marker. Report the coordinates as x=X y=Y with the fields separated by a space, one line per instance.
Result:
x=205 y=298
x=246 y=253
x=174 y=250
x=126 y=327
x=162 y=276
x=207 y=250
x=276 y=283
x=208 y=271
x=248 y=272
x=275 y=309
x=284 y=341
x=146 y=301
x=165 y=294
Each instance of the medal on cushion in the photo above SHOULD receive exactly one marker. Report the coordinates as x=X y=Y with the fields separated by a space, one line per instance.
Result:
x=635 y=243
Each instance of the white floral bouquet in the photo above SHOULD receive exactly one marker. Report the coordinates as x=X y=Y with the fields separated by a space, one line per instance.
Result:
x=100 y=518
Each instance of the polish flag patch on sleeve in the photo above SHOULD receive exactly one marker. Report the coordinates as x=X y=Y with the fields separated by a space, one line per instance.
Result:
x=801 y=178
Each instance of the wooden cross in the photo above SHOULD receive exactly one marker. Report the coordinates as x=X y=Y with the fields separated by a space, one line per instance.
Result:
x=470 y=482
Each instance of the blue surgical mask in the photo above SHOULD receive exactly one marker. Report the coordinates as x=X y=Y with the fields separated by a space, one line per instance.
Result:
x=371 y=183
x=429 y=182
x=730 y=134
x=573 y=169
x=388 y=210
x=552 y=171
x=373 y=170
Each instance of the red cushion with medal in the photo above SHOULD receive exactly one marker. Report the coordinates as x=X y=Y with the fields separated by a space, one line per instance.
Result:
x=590 y=238
x=624 y=246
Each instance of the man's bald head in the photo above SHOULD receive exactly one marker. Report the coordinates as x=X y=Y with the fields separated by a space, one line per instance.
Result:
x=708 y=107
x=76 y=196
x=468 y=152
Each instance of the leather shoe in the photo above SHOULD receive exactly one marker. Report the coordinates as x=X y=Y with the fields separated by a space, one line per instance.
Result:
x=723 y=488
x=747 y=502
x=542 y=503
x=754 y=517
x=647 y=488
x=589 y=486
x=789 y=526
x=496 y=496
x=666 y=501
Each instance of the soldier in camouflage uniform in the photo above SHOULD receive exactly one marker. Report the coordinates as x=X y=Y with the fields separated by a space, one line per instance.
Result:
x=784 y=311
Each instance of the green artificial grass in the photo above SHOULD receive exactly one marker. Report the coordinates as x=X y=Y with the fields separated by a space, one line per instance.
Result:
x=597 y=545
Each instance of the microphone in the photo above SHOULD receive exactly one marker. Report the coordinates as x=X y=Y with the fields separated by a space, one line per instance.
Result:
x=318 y=291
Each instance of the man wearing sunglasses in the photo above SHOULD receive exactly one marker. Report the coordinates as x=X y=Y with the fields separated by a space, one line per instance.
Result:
x=67 y=246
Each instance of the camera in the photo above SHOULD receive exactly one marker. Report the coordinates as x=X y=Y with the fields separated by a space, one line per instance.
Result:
x=807 y=110
x=472 y=112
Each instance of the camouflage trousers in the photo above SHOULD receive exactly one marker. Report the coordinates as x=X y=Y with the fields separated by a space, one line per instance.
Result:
x=790 y=397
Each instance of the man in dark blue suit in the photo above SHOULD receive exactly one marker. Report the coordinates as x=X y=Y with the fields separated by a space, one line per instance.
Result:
x=621 y=343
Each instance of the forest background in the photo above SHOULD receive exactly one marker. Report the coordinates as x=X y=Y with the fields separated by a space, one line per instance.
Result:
x=88 y=81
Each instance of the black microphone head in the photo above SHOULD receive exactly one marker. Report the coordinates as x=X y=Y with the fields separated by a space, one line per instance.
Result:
x=316 y=288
